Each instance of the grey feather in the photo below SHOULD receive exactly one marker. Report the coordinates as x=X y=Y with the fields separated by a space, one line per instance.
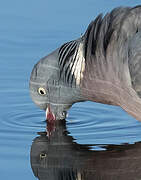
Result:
x=135 y=62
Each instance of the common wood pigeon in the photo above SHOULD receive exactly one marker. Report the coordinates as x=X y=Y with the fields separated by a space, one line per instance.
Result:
x=103 y=65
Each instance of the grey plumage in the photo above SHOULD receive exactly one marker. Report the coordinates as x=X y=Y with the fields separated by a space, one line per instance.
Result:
x=103 y=65
x=135 y=62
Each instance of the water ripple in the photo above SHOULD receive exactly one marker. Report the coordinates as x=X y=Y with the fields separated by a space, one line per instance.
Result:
x=102 y=124
x=23 y=119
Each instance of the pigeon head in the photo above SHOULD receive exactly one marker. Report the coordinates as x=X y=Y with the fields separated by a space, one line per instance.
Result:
x=48 y=88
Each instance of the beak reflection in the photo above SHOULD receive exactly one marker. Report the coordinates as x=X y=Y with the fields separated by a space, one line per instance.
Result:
x=58 y=157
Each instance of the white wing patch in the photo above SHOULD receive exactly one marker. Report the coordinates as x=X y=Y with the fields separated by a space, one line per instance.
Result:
x=78 y=64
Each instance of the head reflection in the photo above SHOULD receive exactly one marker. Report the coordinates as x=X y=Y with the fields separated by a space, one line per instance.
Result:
x=55 y=156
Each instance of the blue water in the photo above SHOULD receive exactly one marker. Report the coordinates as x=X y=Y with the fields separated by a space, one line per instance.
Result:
x=30 y=30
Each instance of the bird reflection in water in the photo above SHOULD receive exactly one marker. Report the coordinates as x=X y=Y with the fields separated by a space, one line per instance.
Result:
x=55 y=156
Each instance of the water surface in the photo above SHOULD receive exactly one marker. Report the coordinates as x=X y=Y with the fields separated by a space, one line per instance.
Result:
x=92 y=134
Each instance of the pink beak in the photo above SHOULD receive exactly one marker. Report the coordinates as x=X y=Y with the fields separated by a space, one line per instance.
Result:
x=49 y=115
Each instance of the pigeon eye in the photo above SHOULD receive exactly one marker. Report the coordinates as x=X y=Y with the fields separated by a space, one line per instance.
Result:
x=41 y=91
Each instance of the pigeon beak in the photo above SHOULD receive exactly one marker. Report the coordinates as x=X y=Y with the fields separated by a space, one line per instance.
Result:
x=49 y=115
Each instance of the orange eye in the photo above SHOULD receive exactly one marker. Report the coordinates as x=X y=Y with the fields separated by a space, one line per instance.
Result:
x=41 y=91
